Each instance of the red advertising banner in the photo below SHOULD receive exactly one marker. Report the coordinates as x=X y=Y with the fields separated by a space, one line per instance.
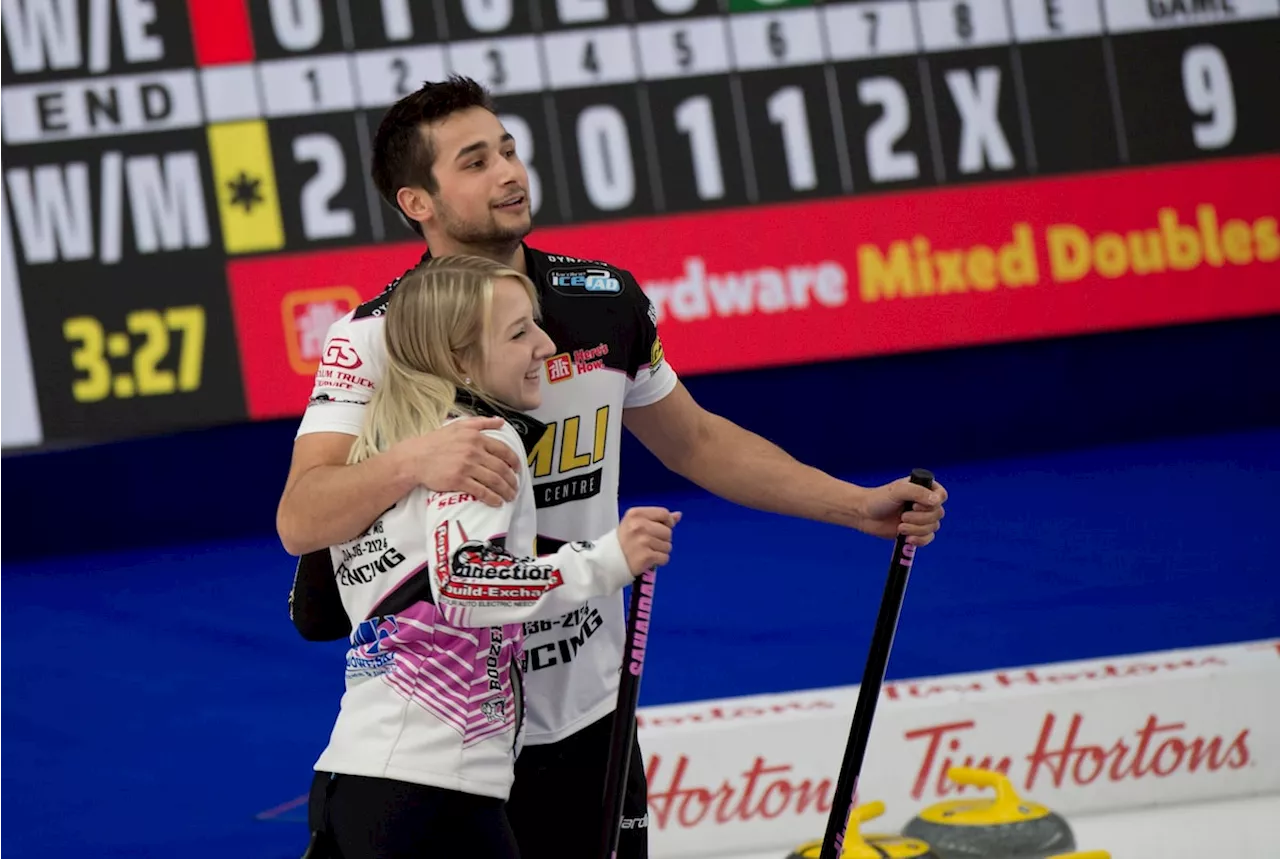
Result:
x=797 y=283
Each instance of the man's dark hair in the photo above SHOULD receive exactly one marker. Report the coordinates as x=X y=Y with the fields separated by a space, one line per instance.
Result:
x=402 y=154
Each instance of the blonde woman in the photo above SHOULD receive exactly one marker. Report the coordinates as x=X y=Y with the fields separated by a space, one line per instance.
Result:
x=421 y=757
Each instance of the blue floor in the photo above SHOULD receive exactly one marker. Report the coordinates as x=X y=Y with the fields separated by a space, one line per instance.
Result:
x=162 y=705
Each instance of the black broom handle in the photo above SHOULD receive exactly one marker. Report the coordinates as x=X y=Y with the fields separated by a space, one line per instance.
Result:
x=624 y=716
x=855 y=751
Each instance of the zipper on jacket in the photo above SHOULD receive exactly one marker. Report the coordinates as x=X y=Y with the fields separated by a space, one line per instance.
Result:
x=517 y=694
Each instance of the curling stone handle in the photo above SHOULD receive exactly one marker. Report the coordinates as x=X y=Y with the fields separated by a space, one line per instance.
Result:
x=870 y=811
x=1006 y=796
x=854 y=842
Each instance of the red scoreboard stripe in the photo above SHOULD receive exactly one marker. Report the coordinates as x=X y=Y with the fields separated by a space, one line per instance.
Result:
x=854 y=276
x=220 y=32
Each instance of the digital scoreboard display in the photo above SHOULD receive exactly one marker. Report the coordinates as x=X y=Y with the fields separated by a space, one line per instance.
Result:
x=187 y=203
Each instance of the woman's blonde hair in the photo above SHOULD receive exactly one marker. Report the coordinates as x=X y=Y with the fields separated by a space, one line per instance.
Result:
x=436 y=321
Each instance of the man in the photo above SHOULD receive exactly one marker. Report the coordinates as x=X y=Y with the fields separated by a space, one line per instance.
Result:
x=443 y=159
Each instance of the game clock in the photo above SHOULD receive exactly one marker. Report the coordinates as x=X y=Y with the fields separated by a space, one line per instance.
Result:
x=146 y=344
x=113 y=371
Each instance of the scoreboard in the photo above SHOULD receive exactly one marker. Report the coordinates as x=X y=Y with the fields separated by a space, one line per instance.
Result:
x=187 y=204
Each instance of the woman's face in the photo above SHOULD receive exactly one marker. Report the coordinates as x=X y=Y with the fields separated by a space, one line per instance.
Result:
x=515 y=349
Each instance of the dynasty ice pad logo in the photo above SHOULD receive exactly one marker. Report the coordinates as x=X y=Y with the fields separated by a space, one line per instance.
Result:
x=591 y=280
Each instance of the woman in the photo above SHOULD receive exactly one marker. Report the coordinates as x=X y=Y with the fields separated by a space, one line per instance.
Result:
x=421 y=757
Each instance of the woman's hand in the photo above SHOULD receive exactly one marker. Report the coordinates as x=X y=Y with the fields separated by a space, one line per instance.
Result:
x=645 y=535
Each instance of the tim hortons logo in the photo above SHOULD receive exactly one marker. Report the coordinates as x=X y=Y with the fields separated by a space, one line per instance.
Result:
x=764 y=791
x=1049 y=677
x=721 y=714
x=1068 y=755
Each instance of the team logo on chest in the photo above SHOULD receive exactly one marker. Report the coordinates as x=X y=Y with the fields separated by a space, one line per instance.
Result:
x=584 y=281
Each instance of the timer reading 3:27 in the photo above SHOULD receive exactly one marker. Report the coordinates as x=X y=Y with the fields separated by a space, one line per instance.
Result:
x=147 y=341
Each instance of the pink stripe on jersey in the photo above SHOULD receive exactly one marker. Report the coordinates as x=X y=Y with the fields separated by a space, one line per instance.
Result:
x=414 y=693
x=463 y=648
x=425 y=660
x=480 y=736
x=434 y=701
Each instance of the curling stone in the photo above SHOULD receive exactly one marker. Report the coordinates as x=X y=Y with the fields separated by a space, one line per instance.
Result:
x=1006 y=827
x=876 y=846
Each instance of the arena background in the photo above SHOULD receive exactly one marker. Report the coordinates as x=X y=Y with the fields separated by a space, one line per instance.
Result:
x=1033 y=250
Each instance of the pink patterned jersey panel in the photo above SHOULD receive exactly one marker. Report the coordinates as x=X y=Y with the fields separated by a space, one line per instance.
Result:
x=460 y=676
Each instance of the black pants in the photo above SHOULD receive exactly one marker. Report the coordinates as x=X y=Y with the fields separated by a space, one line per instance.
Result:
x=376 y=818
x=557 y=802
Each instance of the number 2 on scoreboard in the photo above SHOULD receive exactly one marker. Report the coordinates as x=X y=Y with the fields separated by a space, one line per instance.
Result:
x=321 y=219
x=401 y=68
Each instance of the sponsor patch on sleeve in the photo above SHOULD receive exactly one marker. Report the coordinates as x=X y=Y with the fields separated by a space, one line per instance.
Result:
x=484 y=574
x=341 y=353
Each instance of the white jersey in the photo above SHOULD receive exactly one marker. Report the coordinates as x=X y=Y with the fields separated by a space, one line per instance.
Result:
x=438 y=590
x=609 y=358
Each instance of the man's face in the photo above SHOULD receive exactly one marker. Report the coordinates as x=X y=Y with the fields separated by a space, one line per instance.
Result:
x=483 y=194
